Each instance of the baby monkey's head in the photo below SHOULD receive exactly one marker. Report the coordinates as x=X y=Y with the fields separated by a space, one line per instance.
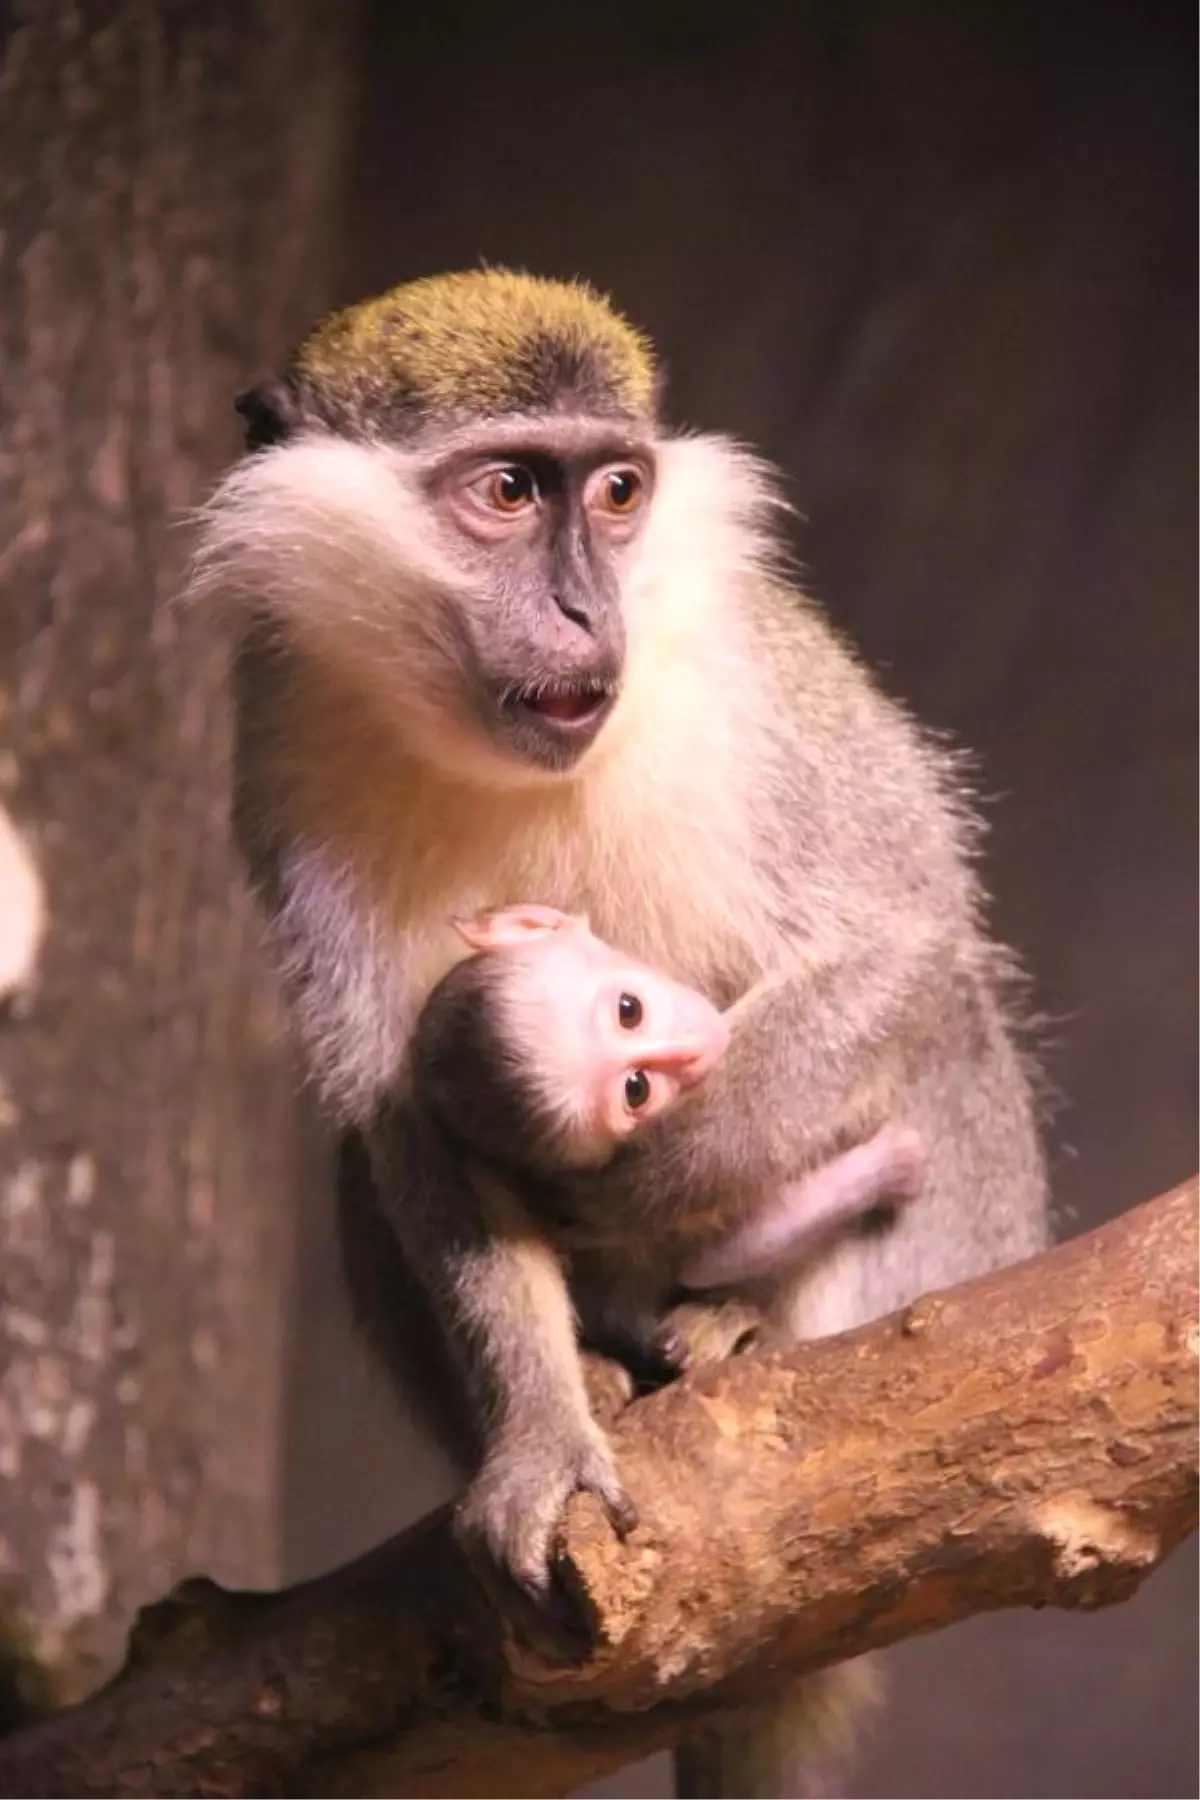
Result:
x=548 y=1048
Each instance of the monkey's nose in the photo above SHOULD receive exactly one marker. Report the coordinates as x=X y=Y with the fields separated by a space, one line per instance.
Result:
x=573 y=608
x=708 y=1040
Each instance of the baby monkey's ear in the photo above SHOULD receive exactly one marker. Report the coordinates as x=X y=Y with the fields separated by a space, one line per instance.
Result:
x=509 y=925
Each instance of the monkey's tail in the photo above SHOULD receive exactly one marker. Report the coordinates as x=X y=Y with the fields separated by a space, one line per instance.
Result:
x=802 y=1748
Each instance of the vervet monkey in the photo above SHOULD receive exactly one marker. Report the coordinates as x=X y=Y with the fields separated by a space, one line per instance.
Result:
x=542 y=1054
x=506 y=634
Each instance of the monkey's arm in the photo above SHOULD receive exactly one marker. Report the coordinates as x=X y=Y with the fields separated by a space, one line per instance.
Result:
x=888 y=1167
x=500 y=1294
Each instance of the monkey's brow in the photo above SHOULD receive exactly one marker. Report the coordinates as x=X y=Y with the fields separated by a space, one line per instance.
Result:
x=569 y=438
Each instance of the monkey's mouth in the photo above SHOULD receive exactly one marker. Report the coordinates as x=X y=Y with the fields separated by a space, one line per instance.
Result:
x=551 y=722
x=568 y=705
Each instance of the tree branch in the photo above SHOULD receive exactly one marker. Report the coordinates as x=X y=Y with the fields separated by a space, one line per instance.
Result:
x=1029 y=1439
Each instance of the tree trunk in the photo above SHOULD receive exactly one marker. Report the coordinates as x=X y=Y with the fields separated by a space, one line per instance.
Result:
x=167 y=193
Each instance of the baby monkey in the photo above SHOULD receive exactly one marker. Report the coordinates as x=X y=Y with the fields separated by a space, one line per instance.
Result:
x=541 y=1055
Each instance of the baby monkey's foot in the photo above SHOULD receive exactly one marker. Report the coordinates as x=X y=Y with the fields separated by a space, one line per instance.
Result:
x=656 y=1347
x=708 y=1333
x=650 y=1349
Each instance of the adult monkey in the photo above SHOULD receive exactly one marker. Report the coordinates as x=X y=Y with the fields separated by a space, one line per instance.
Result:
x=509 y=639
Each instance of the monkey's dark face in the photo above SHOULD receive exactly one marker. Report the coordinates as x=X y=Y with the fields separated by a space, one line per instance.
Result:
x=473 y=575
x=541 y=517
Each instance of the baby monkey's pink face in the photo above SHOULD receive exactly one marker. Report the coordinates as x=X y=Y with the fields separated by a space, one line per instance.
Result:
x=610 y=1043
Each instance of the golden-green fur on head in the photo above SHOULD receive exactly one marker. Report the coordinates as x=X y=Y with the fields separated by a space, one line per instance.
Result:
x=481 y=342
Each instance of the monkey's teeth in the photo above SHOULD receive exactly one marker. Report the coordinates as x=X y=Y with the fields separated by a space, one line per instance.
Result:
x=566 y=706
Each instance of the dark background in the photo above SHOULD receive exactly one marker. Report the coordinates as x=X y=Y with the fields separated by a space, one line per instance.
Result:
x=939 y=263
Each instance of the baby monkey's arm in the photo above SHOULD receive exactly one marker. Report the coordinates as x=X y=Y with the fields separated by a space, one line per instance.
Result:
x=846 y=1190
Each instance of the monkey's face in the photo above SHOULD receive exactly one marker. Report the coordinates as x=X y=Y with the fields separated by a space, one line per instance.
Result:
x=460 y=504
x=541 y=517
x=469 y=577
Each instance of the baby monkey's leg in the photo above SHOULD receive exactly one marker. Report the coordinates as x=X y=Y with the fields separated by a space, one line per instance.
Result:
x=888 y=1167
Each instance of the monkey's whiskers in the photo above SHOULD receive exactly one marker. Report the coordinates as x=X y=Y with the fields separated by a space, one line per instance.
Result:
x=566 y=702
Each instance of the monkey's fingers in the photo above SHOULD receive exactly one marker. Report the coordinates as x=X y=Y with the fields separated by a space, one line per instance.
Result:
x=509 y=1518
x=599 y=1476
x=708 y=1333
x=610 y=1386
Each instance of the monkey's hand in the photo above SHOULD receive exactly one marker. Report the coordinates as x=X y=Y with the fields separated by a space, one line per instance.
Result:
x=509 y=1517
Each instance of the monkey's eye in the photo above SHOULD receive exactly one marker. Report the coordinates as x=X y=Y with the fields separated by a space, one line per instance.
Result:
x=629 y=1012
x=637 y=1089
x=508 y=490
x=620 y=491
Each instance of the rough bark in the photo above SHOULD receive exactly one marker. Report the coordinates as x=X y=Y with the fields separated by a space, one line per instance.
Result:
x=1029 y=1439
x=165 y=215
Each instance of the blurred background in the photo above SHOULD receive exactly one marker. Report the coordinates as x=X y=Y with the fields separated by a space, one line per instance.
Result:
x=940 y=264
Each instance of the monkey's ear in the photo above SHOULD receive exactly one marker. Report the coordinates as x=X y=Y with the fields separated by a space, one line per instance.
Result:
x=509 y=925
x=270 y=411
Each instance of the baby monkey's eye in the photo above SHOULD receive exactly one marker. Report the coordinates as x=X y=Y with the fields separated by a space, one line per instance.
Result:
x=637 y=1089
x=629 y=1012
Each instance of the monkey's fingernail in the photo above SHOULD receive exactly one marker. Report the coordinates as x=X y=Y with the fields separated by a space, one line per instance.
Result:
x=624 y=1515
